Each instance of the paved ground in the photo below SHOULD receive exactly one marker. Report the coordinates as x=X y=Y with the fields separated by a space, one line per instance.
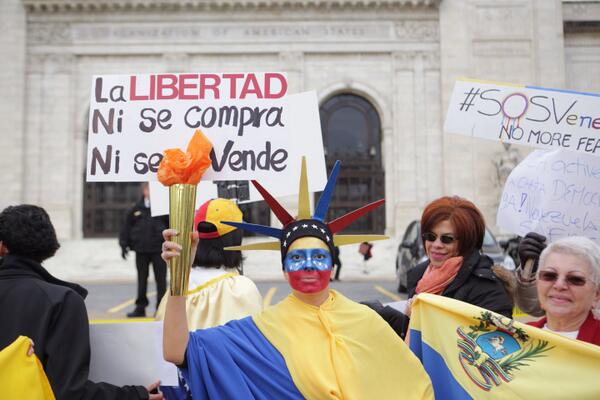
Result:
x=112 y=300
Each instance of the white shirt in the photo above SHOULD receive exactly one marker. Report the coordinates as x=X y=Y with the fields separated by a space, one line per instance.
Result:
x=570 y=335
x=199 y=276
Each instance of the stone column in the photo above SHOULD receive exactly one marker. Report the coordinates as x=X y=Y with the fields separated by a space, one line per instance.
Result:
x=12 y=90
x=417 y=150
x=57 y=149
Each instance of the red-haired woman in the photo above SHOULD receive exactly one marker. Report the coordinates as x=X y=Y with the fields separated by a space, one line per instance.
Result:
x=452 y=230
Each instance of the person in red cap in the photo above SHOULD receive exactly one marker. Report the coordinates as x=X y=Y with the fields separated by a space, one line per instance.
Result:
x=217 y=292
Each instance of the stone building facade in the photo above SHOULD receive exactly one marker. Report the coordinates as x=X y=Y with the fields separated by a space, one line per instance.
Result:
x=400 y=56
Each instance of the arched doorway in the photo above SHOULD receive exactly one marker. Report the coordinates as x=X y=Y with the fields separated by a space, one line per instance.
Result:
x=352 y=133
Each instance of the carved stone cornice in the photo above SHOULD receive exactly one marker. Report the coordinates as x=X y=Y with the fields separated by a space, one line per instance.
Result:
x=408 y=60
x=123 y=5
x=50 y=33
x=79 y=33
x=581 y=11
x=421 y=30
x=51 y=63
x=291 y=60
x=176 y=62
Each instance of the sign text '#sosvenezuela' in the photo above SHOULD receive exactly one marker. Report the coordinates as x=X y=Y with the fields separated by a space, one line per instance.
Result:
x=528 y=115
x=248 y=117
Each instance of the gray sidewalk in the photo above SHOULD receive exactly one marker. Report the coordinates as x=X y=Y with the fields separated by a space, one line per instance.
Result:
x=94 y=260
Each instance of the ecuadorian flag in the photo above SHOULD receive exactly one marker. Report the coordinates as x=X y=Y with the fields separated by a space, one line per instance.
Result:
x=473 y=353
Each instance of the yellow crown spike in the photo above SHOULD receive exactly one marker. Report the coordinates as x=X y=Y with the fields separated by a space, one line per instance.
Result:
x=341 y=240
x=256 y=246
x=303 y=202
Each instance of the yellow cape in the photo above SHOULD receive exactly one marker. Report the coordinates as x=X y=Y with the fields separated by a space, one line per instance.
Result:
x=218 y=301
x=342 y=350
x=22 y=376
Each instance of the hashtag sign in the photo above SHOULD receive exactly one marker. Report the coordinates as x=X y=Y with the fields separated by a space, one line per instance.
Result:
x=469 y=99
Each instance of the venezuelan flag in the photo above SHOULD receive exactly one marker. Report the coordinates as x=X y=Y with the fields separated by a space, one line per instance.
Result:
x=473 y=353
x=22 y=376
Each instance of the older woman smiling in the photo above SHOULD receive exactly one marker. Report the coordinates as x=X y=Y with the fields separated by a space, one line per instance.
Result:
x=568 y=287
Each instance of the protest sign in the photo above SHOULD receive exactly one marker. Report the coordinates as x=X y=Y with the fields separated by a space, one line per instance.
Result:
x=304 y=140
x=527 y=115
x=555 y=193
x=247 y=117
x=129 y=353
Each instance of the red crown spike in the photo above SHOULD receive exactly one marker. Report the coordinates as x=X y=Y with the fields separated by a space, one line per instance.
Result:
x=340 y=223
x=282 y=215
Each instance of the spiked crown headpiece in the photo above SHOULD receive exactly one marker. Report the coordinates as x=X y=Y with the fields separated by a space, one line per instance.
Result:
x=305 y=225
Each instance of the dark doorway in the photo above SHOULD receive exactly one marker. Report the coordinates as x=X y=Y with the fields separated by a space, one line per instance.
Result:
x=352 y=134
x=104 y=206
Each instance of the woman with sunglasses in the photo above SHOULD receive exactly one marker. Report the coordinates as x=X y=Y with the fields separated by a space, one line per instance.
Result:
x=452 y=233
x=568 y=288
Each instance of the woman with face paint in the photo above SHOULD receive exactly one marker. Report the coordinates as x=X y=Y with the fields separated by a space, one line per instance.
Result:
x=314 y=344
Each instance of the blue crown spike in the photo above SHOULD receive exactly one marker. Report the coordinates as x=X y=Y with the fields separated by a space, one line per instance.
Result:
x=262 y=229
x=324 y=200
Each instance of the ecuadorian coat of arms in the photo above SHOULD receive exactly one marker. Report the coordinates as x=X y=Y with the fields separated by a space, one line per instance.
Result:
x=494 y=350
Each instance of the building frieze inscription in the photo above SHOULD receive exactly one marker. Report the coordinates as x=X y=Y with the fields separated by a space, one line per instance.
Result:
x=99 y=33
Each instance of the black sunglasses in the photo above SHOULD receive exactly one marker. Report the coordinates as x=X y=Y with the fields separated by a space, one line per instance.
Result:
x=431 y=237
x=551 y=276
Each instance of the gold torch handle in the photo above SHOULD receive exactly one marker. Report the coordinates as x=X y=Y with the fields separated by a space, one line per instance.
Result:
x=182 y=202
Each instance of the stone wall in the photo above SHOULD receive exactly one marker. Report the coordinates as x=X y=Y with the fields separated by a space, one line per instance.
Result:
x=12 y=97
x=402 y=55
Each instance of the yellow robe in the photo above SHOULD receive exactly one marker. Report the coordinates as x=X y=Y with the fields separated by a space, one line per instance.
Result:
x=343 y=350
x=222 y=299
x=22 y=376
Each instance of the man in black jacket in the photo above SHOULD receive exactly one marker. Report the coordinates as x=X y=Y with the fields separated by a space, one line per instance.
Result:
x=52 y=312
x=142 y=233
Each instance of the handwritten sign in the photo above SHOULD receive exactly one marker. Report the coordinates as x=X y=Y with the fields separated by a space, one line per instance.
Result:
x=554 y=193
x=247 y=116
x=527 y=115
x=304 y=140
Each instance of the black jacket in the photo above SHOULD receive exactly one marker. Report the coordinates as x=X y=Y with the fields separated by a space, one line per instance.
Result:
x=475 y=284
x=52 y=313
x=141 y=232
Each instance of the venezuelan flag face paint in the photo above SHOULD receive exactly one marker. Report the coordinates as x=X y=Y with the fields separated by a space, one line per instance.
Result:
x=308 y=264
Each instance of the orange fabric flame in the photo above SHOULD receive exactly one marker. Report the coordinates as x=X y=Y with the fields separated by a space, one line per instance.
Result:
x=179 y=167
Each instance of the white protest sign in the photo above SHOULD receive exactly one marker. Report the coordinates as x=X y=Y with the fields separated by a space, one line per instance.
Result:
x=555 y=193
x=134 y=118
x=129 y=353
x=527 y=115
x=305 y=140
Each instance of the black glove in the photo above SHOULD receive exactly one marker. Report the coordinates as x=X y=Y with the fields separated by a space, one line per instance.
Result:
x=530 y=248
x=124 y=252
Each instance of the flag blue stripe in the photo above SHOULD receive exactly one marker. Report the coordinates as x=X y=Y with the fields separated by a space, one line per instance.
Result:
x=236 y=361
x=445 y=386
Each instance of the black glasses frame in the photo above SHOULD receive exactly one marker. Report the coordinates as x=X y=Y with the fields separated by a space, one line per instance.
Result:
x=431 y=237
x=572 y=280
